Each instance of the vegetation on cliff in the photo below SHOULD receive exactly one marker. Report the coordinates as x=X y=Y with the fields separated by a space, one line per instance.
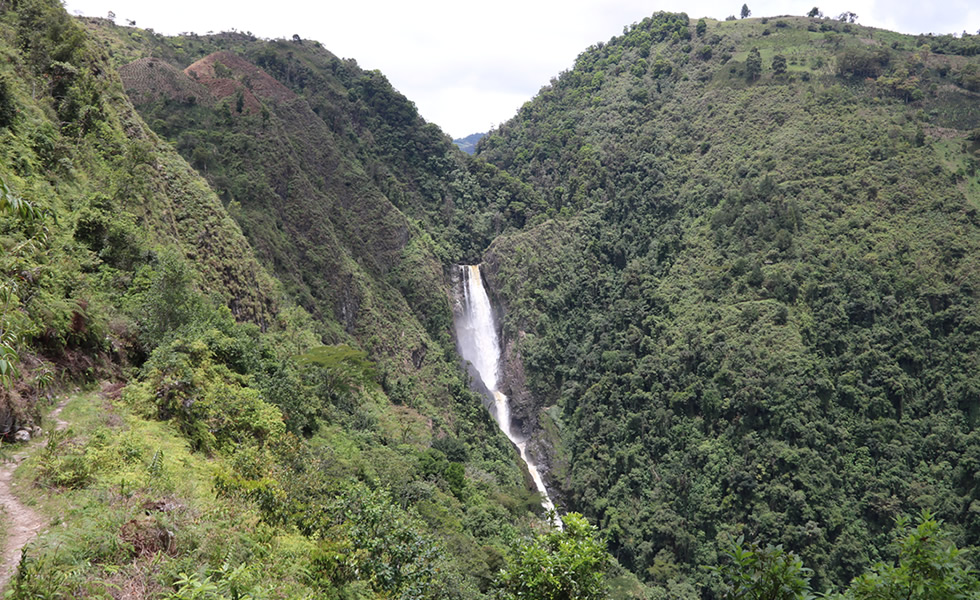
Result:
x=756 y=314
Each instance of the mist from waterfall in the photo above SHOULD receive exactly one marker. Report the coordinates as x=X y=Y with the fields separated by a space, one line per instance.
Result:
x=476 y=332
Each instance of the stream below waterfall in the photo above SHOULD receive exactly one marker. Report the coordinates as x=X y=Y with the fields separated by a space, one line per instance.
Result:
x=476 y=332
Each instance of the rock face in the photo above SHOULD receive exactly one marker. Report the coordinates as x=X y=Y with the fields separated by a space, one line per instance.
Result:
x=527 y=412
x=514 y=384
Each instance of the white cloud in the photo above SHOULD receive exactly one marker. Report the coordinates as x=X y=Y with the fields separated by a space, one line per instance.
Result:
x=469 y=64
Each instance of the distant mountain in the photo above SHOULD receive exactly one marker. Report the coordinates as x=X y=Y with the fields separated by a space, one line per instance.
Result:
x=468 y=143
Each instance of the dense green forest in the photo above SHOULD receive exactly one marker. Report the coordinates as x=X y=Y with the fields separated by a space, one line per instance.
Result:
x=757 y=312
x=736 y=261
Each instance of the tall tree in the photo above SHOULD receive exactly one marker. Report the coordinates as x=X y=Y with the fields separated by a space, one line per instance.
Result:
x=745 y=11
x=753 y=65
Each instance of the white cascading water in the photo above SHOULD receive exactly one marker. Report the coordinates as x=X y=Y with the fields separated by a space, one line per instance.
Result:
x=478 y=344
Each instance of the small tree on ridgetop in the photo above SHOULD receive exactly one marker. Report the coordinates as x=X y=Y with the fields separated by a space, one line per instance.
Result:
x=745 y=11
x=814 y=12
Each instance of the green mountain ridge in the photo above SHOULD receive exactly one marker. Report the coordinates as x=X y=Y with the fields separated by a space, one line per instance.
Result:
x=758 y=316
x=136 y=271
x=736 y=264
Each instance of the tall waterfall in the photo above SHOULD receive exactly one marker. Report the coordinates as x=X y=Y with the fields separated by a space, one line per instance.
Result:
x=478 y=344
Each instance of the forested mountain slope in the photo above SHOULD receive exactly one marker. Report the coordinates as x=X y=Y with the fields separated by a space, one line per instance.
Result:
x=375 y=129
x=758 y=311
x=238 y=445
x=353 y=200
x=737 y=264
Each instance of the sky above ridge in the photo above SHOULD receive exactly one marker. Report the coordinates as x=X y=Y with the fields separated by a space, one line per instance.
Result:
x=469 y=66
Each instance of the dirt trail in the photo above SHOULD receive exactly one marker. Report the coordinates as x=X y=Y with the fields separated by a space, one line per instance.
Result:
x=23 y=523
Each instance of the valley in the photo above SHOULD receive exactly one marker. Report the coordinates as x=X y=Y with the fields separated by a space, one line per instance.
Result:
x=712 y=295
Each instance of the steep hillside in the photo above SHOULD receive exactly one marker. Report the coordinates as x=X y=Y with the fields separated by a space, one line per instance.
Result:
x=347 y=195
x=111 y=191
x=463 y=204
x=757 y=313
x=315 y=218
x=738 y=268
x=227 y=449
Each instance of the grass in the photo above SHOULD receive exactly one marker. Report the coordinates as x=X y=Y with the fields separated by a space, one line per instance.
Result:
x=951 y=154
x=141 y=512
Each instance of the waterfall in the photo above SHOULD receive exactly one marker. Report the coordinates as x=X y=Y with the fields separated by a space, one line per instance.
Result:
x=476 y=332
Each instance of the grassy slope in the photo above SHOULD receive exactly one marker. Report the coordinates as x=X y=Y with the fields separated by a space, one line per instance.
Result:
x=759 y=313
x=142 y=513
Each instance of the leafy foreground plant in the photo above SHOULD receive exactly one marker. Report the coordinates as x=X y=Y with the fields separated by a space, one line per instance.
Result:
x=27 y=215
x=928 y=566
x=757 y=573
x=560 y=564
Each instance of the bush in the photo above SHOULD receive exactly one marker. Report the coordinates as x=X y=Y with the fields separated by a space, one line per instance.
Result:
x=929 y=566
x=8 y=110
x=757 y=573
x=170 y=302
x=212 y=406
x=859 y=62
x=778 y=64
x=562 y=563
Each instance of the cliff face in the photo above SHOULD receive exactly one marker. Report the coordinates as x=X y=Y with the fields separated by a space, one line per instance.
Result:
x=528 y=412
x=537 y=424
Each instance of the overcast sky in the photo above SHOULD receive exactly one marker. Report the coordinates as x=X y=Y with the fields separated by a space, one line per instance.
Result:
x=469 y=65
